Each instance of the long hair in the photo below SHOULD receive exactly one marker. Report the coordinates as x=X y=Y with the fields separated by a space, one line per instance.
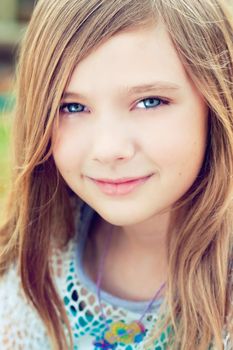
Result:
x=60 y=34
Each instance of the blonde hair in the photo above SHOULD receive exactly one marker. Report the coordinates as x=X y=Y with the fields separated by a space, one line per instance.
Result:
x=62 y=33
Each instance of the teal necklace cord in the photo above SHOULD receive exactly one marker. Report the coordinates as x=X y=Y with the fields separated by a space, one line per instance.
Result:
x=119 y=331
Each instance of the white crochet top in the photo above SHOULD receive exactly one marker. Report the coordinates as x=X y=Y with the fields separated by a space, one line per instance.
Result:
x=22 y=329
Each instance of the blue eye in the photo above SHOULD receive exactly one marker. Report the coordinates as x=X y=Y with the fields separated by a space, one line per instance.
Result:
x=151 y=102
x=72 y=108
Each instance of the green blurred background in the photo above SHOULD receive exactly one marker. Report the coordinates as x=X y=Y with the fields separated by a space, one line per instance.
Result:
x=14 y=16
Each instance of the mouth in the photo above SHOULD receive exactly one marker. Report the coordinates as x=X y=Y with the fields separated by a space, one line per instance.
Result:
x=120 y=186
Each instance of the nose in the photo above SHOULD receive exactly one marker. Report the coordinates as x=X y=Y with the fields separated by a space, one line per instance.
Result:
x=113 y=143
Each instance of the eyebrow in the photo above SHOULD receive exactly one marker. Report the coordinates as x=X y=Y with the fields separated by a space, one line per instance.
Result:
x=160 y=86
x=157 y=86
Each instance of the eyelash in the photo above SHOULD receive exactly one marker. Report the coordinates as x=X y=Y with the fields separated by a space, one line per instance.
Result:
x=162 y=101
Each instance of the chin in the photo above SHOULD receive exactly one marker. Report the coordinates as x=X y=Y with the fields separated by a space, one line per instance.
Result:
x=119 y=221
x=123 y=218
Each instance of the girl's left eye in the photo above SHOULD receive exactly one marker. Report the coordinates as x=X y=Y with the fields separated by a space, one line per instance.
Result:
x=151 y=102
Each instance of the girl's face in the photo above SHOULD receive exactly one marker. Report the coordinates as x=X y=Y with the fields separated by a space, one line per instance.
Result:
x=130 y=111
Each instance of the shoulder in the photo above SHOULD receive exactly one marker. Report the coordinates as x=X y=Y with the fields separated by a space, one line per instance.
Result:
x=228 y=329
x=227 y=342
x=20 y=326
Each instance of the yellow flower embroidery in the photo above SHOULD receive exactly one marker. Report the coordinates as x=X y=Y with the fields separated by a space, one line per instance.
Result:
x=120 y=332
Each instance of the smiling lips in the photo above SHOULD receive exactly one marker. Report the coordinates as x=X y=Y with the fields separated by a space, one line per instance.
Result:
x=120 y=186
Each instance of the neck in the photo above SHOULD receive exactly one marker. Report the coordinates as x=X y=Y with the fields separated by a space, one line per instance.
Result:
x=147 y=238
x=136 y=260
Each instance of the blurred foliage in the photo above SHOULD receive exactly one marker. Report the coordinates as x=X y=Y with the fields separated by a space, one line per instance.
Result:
x=5 y=126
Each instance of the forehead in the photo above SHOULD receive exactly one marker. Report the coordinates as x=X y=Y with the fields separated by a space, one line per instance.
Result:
x=138 y=55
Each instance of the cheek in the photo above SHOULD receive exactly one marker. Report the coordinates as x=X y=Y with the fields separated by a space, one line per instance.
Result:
x=178 y=144
x=68 y=150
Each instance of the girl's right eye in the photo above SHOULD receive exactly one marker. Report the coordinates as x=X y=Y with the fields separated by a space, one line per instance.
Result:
x=71 y=108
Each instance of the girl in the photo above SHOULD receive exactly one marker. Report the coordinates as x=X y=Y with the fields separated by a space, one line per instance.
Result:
x=119 y=225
